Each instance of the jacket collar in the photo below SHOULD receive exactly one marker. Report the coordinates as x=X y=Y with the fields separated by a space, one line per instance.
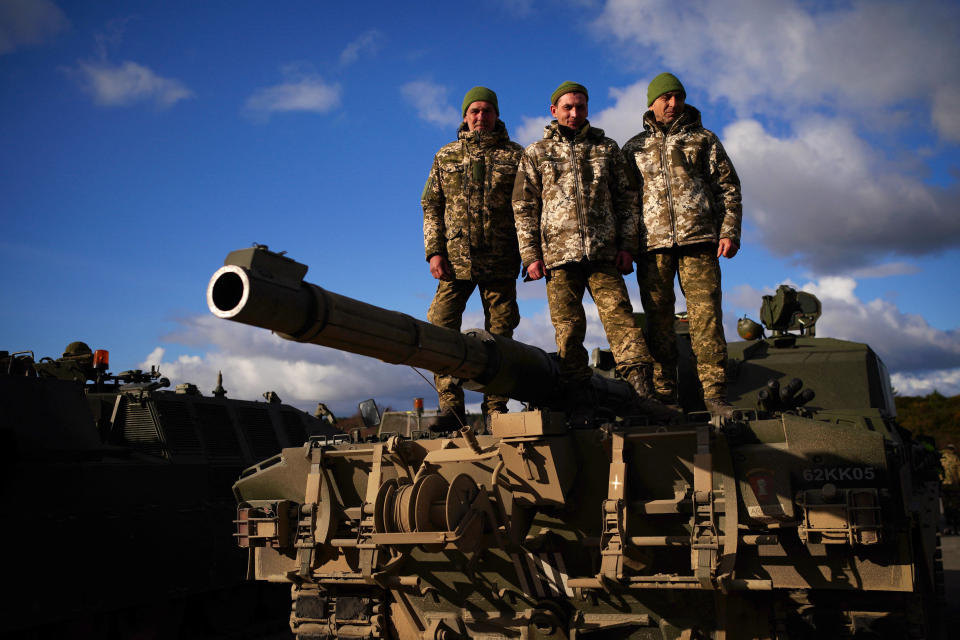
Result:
x=482 y=138
x=587 y=133
x=689 y=119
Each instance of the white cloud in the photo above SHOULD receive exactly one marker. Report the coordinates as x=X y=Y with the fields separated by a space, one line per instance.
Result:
x=823 y=196
x=864 y=55
x=254 y=361
x=905 y=341
x=945 y=382
x=128 y=83
x=430 y=101
x=530 y=129
x=29 y=22
x=946 y=112
x=367 y=42
x=624 y=119
x=302 y=92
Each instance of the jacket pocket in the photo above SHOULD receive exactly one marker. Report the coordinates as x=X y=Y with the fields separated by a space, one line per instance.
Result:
x=502 y=177
x=451 y=179
x=556 y=191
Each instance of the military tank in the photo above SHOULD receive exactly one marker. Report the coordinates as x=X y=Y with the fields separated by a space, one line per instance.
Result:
x=789 y=521
x=120 y=505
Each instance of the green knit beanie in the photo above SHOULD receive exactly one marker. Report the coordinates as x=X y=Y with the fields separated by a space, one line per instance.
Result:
x=480 y=94
x=568 y=87
x=661 y=84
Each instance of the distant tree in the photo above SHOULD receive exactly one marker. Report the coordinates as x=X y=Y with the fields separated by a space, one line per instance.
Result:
x=933 y=415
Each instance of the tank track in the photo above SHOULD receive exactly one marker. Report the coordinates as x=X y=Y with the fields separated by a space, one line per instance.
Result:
x=337 y=612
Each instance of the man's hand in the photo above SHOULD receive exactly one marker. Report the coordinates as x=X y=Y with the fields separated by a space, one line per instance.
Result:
x=440 y=268
x=727 y=248
x=624 y=262
x=536 y=270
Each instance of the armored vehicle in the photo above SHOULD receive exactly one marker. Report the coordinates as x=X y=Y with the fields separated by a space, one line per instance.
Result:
x=119 y=501
x=792 y=520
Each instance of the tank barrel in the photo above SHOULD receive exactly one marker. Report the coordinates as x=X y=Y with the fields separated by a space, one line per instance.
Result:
x=266 y=289
x=304 y=312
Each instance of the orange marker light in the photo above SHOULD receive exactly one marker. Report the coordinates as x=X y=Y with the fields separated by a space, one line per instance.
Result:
x=101 y=359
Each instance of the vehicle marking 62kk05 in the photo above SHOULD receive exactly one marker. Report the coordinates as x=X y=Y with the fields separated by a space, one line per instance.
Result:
x=838 y=474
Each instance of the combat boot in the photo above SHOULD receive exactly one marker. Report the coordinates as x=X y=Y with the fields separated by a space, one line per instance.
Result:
x=488 y=413
x=641 y=379
x=494 y=404
x=719 y=406
x=669 y=400
x=450 y=419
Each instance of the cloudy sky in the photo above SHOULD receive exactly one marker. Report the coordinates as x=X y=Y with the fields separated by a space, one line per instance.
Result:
x=143 y=141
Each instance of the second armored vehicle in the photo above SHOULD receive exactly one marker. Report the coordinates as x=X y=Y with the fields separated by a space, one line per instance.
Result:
x=119 y=501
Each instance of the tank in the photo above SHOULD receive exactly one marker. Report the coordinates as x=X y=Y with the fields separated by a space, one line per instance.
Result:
x=119 y=501
x=793 y=520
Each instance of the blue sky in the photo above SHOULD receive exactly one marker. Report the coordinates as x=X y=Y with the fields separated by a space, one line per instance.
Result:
x=143 y=141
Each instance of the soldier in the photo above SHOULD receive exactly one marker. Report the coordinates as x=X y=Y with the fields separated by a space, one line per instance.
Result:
x=691 y=217
x=75 y=364
x=576 y=215
x=950 y=489
x=469 y=234
x=951 y=466
x=324 y=414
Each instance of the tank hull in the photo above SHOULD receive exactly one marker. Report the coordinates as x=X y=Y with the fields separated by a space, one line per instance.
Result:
x=790 y=520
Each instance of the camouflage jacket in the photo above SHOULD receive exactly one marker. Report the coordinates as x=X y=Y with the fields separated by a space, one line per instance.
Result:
x=691 y=192
x=574 y=200
x=951 y=469
x=466 y=205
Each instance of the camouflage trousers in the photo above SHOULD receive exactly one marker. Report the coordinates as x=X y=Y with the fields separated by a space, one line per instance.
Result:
x=501 y=315
x=950 y=499
x=565 y=288
x=698 y=270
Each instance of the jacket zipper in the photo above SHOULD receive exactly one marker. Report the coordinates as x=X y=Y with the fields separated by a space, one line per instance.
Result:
x=666 y=180
x=475 y=195
x=581 y=217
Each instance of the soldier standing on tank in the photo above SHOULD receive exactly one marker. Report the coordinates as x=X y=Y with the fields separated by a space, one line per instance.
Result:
x=691 y=214
x=576 y=214
x=469 y=234
x=950 y=489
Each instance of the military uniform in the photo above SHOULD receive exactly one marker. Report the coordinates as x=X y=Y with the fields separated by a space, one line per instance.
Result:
x=691 y=199
x=951 y=468
x=467 y=218
x=950 y=490
x=575 y=208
